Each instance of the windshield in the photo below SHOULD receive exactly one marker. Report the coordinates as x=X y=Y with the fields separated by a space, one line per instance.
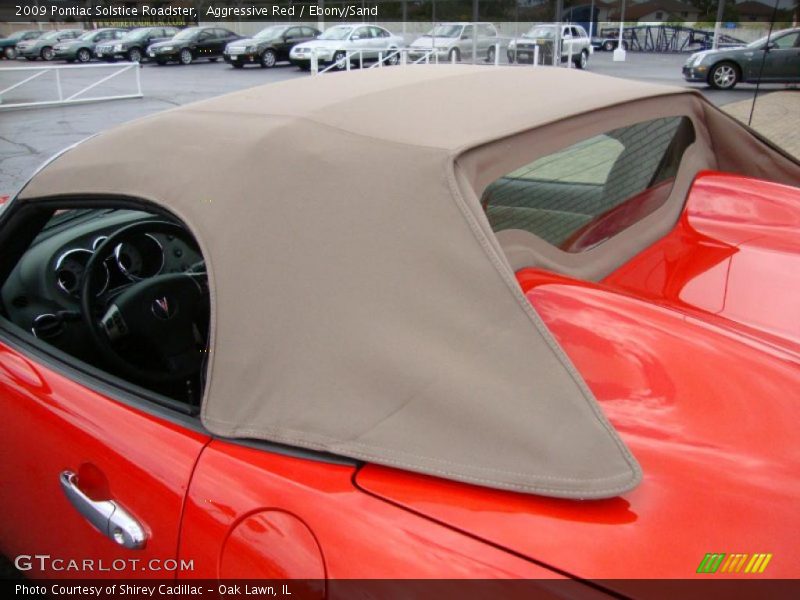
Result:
x=50 y=35
x=763 y=41
x=336 y=33
x=17 y=36
x=137 y=33
x=541 y=32
x=187 y=34
x=445 y=31
x=269 y=32
x=88 y=36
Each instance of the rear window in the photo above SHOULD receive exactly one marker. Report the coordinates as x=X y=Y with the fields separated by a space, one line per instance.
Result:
x=580 y=196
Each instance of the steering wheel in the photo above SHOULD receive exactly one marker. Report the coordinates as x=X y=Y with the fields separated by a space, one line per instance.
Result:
x=163 y=309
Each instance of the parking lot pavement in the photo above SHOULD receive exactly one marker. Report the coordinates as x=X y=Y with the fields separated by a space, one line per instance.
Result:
x=28 y=137
x=775 y=117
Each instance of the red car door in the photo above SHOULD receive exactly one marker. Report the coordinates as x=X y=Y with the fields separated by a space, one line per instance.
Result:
x=71 y=455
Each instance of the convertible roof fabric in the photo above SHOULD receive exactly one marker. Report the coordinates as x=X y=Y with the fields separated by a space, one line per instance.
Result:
x=360 y=305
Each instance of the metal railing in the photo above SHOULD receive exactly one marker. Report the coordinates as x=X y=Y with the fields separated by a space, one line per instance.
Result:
x=74 y=98
x=429 y=56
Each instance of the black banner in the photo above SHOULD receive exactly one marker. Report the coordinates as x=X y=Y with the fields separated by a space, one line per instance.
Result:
x=383 y=589
x=673 y=12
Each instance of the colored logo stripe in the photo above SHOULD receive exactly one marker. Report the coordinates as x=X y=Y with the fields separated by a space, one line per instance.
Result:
x=756 y=563
x=710 y=563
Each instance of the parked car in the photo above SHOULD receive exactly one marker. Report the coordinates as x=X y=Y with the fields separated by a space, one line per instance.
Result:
x=453 y=41
x=509 y=355
x=8 y=45
x=364 y=42
x=723 y=69
x=42 y=46
x=133 y=45
x=609 y=42
x=191 y=44
x=269 y=46
x=82 y=48
x=574 y=42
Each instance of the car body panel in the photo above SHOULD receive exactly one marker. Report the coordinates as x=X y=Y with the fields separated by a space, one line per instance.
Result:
x=209 y=43
x=318 y=497
x=121 y=48
x=705 y=398
x=781 y=64
x=368 y=47
x=8 y=44
x=574 y=41
x=118 y=452
x=68 y=49
x=32 y=49
x=461 y=43
x=250 y=50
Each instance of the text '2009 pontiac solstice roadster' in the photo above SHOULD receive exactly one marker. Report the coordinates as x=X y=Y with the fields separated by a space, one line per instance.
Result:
x=477 y=340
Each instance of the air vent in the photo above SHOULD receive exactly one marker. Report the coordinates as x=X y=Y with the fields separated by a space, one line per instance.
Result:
x=47 y=326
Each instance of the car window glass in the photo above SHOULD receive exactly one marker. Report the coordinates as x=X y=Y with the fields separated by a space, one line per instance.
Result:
x=205 y=36
x=574 y=32
x=787 y=41
x=308 y=32
x=377 y=32
x=556 y=196
x=133 y=308
x=362 y=32
x=467 y=31
x=294 y=32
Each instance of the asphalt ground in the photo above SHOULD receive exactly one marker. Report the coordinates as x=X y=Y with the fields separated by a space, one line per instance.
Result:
x=30 y=136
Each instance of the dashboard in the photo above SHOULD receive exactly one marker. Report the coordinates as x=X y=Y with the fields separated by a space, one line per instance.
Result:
x=42 y=293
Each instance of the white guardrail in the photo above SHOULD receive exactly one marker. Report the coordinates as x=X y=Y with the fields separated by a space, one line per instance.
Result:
x=76 y=97
x=429 y=57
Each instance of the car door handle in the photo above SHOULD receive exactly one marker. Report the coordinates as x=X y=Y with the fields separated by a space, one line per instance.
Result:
x=108 y=517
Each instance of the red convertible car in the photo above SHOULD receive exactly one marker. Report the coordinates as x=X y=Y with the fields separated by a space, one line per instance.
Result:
x=386 y=333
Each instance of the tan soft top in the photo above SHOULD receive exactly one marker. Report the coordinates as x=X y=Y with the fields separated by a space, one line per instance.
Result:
x=360 y=303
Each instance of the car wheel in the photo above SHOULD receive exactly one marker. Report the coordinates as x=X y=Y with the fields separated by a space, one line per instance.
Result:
x=84 y=55
x=490 y=54
x=268 y=59
x=608 y=46
x=724 y=76
x=10 y=53
x=393 y=58
x=582 y=60
x=48 y=53
x=134 y=55
x=340 y=60
x=454 y=55
x=186 y=56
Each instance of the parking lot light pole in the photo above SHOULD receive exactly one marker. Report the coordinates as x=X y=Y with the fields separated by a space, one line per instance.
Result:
x=619 y=51
x=718 y=24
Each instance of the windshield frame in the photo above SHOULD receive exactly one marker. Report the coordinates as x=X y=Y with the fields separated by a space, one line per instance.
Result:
x=347 y=28
x=528 y=35
x=187 y=34
x=278 y=31
x=436 y=32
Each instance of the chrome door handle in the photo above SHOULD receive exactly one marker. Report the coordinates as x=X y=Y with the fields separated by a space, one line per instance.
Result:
x=108 y=517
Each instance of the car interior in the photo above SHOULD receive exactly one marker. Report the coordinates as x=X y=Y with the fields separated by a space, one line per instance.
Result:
x=579 y=197
x=121 y=290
